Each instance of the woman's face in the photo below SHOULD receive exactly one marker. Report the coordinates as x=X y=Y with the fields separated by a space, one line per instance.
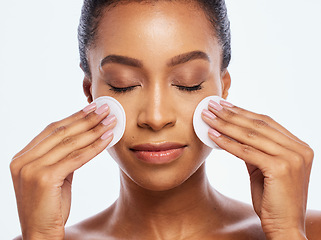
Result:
x=159 y=61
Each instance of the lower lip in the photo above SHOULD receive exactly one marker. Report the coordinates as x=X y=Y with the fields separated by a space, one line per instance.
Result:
x=159 y=157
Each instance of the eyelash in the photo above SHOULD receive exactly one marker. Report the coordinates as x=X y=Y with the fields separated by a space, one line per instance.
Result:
x=190 y=89
x=121 y=90
x=182 y=88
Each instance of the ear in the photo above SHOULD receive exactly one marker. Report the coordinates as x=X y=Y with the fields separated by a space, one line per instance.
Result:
x=226 y=83
x=87 y=87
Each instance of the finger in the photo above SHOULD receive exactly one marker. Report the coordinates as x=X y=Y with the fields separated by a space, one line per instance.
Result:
x=247 y=153
x=262 y=119
x=243 y=135
x=257 y=186
x=82 y=125
x=66 y=196
x=80 y=157
x=73 y=143
x=63 y=132
x=50 y=128
x=257 y=125
x=59 y=173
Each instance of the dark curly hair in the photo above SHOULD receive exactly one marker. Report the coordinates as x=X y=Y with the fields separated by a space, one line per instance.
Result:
x=92 y=12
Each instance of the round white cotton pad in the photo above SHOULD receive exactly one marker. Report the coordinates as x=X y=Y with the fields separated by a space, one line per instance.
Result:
x=200 y=127
x=117 y=110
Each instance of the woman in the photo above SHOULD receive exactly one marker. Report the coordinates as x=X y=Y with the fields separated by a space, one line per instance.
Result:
x=159 y=59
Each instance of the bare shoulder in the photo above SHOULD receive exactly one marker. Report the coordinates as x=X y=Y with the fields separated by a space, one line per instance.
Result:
x=90 y=228
x=244 y=224
x=313 y=224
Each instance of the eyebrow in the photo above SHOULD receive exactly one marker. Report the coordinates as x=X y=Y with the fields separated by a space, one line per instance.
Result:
x=186 y=57
x=133 y=62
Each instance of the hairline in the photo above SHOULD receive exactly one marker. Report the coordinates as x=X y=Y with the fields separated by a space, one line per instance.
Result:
x=109 y=6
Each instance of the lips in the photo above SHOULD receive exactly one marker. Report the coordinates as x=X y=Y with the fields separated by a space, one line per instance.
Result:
x=160 y=153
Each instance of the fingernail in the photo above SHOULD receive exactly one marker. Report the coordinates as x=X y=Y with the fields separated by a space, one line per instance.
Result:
x=108 y=120
x=215 y=105
x=214 y=132
x=208 y=114
x=102 y=109
x=89 y=107
x=107 y=135
x=226 y=104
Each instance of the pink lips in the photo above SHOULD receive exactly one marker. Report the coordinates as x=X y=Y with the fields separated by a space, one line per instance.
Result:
x=158 y=153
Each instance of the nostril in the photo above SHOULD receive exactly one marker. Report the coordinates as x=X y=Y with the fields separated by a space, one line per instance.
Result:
x=157 y=112
x=156 y=124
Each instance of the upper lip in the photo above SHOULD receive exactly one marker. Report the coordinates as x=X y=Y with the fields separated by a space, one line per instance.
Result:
x=157 y=146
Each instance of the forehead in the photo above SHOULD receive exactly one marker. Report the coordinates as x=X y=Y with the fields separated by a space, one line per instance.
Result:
x=163 y=29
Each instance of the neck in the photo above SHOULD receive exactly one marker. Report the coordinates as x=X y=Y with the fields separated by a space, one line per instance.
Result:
x=183 y=210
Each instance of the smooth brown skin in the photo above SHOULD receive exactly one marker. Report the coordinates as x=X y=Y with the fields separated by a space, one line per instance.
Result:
x=172 y=201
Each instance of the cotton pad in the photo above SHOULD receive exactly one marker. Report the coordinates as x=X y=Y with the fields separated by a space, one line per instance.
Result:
x=200 y=127
x=117 y=110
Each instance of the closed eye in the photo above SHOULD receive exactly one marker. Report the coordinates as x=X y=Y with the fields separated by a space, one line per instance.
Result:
x=191 y=88
x=122 y=90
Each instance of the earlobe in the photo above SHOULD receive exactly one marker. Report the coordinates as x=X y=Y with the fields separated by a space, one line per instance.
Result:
x=87 y=89
x=226 y=83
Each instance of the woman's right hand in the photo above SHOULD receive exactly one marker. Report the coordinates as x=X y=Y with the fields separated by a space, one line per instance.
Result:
x=42 y=172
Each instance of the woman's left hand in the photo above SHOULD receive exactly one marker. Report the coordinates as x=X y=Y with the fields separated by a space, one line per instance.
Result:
x=279 y=165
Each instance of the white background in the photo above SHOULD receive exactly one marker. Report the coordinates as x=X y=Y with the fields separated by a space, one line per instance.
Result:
x=275 y=70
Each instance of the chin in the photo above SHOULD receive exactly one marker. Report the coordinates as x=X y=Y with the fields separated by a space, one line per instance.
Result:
x=162 y=181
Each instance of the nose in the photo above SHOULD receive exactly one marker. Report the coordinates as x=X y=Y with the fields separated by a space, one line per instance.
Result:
x=157 y=110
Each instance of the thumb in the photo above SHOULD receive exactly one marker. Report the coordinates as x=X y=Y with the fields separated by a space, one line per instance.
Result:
x=66 y=196
x=257 y=187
